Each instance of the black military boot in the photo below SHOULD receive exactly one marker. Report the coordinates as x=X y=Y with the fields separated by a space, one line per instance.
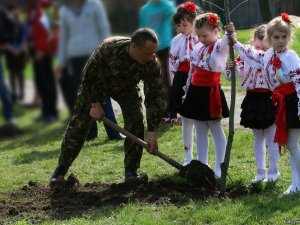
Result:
x=130 y=174
x=58 y=174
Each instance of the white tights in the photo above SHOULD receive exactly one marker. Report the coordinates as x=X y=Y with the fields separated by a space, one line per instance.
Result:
x=215 y=127
x=261 y=136
x=188 y=138
x=293 y=147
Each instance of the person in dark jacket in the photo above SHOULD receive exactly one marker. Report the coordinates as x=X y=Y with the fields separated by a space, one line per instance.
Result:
x=9 y=129
x=16 y=54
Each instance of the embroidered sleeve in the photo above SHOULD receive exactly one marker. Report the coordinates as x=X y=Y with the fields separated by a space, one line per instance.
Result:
x=174 y=54
x=188 y=82
x=222 y=46
x=249 y=55
x=227 y=73
x=239 y=69
x=294 y=74
x=240 y=63
x=173 y=66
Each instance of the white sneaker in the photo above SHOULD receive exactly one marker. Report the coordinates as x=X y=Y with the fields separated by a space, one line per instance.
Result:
x=186 y=161
x=258 y=178
x=217 y=172
x=273 y=177
x=291 y=190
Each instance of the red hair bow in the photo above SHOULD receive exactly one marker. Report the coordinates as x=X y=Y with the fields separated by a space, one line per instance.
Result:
x=213 y=19
x=286 y=17
x=190 y=7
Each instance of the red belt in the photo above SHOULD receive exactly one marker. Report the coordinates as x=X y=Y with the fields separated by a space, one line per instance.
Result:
x=278 y=99
x=259 y=90
x=210 y=79
x=184 y=66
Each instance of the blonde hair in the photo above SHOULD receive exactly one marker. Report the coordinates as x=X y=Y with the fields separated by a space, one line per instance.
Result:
x=278 y=24
x=260 y=32
x=202 y=20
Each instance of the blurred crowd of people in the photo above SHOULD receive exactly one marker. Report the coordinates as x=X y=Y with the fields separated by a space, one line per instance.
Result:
x=38 y=32
x=69 y=30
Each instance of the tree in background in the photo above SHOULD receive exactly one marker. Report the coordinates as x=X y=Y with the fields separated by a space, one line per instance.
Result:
x=265 y=10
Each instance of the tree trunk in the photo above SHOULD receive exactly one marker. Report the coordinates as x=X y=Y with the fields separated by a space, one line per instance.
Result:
x=225 y=164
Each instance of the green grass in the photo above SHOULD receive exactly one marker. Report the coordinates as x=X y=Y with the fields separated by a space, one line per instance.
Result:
x=33 y=157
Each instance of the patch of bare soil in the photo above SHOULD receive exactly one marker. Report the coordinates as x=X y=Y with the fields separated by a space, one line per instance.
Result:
x=72 y=199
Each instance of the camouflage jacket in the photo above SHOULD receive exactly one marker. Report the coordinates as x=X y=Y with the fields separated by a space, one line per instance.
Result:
x=110 y=71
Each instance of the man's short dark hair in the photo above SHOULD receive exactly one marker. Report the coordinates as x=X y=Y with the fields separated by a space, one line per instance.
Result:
x=140 y=36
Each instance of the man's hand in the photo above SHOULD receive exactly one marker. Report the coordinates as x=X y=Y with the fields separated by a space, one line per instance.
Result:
x=152 y=142
x=97 y=112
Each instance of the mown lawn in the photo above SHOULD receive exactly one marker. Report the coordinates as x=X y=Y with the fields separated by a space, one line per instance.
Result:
x=33 y=157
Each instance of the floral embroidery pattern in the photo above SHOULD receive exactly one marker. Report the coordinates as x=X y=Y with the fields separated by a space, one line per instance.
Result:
x=276 y=62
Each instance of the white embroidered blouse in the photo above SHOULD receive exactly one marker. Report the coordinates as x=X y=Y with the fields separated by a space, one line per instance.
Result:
x=289 y=71
x=214 y=61
x=180 y=51
x=251 y=77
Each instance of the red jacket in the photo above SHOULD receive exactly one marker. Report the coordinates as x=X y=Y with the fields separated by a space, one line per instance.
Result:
x=40 y=32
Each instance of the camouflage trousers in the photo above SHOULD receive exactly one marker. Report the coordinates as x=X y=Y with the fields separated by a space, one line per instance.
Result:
x=76 y=131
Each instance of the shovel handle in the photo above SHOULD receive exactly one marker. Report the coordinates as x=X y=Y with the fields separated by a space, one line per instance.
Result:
x=142 y=143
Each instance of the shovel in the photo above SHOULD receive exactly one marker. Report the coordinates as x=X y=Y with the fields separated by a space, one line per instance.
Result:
x=195 y=172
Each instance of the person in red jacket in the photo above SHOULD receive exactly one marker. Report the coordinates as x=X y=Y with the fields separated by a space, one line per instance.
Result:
x=41 y=52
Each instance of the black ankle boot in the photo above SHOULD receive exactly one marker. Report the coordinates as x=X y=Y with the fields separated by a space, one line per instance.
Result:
x=60 y=171
x=130 y=174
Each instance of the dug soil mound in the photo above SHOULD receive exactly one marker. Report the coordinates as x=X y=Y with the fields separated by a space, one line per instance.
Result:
x=73 y=199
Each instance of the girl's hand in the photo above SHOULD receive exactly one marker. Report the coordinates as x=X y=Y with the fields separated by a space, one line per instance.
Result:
x=230 y=63
x=230 y=28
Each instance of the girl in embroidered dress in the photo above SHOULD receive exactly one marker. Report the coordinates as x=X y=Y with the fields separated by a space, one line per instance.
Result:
x=205 y=100
x=179 y=66
x=282 y=70
x=258 y=112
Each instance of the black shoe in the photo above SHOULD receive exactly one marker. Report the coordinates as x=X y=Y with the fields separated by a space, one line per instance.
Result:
x=58 y=174
x=90 y=138
x=130 y=174
x=10 y=130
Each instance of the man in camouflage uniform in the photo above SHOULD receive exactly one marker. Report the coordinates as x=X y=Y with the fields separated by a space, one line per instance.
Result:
x=114 y=70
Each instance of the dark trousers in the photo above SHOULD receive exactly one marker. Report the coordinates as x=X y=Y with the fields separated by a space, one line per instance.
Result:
x=70 y=82
x=45 y=84
x=5 y=96
x=163 y=56
x=131 y=105
x=15 y=66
